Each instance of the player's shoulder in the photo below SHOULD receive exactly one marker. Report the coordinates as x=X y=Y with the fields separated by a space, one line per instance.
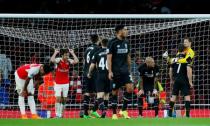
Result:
x=112 y=41
x=58 y=58
x=89 y=47
x=97 y=52
x=126 y=40
x=191 y=50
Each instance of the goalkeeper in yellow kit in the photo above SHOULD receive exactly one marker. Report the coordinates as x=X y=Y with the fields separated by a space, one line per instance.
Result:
x=186 y=62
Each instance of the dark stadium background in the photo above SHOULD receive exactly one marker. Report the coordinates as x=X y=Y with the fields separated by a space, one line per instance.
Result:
x=104 y=6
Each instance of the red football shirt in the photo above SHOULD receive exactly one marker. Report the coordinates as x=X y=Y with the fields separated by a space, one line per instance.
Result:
x=62 y=71
x=28 y=70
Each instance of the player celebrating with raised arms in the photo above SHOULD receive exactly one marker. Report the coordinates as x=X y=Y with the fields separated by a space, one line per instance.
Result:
x=24 y=76
x=62 y=78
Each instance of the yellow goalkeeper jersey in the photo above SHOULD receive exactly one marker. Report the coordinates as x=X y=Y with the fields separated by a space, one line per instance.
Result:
x=189 y=56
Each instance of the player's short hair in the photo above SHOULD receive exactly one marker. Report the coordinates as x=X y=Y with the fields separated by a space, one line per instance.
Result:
x=94 y=38
x=118 y=28
x=63 y=51
x=48 y=68
x=188 y=38
x=180 y=47
x=149 y=59
x=104 y=42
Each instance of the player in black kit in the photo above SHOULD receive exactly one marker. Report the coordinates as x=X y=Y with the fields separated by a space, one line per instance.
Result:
x=179 y=76
x=149 y=73
x=89 y=84
x=119 y=62
x=103 y=87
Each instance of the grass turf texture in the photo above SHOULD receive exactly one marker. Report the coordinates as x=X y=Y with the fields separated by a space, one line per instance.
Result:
x=109 y=122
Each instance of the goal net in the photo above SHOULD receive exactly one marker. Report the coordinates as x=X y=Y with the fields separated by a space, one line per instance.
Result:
x=28 y=39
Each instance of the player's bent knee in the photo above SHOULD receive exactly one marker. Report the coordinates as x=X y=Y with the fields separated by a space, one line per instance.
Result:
x=173 y=98
x=106 y=96
x=58 y=99
x=100 y=94
x=114 y=92
x=187 y=98
x=87 y=94
x=64 y=99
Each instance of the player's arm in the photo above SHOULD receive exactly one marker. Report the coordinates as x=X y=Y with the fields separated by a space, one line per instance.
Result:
x=129 y=62
x=25 y=92
x=53 y=59
x=129 y=59
x=31 y=73
x=109 y=59
x=75 y=59
x=171 y=74
x=189 y=75
x=109 y=62
x=157 y=73
x=141 y=91
x=156 y=79
x=188 y=58
x=92 y=65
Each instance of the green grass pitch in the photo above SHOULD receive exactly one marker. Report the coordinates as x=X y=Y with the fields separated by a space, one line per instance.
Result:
x=108 y=122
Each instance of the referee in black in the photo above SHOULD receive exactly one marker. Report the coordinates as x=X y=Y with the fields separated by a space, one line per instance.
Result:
x=119 y=63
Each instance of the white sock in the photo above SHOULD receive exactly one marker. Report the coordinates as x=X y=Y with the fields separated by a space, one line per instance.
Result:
x=31 y=104
x=62 y=108
x=57 y=109
x=21 y=103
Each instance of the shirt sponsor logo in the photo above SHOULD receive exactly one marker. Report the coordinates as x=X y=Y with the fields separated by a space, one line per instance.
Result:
x=121 y=51
x=63 y=70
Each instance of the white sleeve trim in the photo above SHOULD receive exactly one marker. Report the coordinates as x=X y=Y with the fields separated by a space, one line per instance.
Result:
x=33 y=71
x=71 y=61
x=57 y=60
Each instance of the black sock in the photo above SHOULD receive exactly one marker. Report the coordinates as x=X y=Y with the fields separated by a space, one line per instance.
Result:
x=140 y=105
x=95 y=107
x=114 y=104
x=127 y=97
x=187 y=107
x=171 y=107
x=106 y=103
x=86 y=101
x=101 y=104
x=156 y=106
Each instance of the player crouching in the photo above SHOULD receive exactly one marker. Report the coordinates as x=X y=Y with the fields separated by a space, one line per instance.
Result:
x=24 y=76
x=148 y=72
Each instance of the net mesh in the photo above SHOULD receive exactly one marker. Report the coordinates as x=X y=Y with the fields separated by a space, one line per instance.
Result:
x=33 y=40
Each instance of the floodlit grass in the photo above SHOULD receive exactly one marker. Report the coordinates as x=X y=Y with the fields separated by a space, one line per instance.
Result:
x=108 y=122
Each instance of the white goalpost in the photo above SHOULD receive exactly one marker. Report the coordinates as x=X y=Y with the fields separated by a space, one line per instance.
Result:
x=32 y=38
